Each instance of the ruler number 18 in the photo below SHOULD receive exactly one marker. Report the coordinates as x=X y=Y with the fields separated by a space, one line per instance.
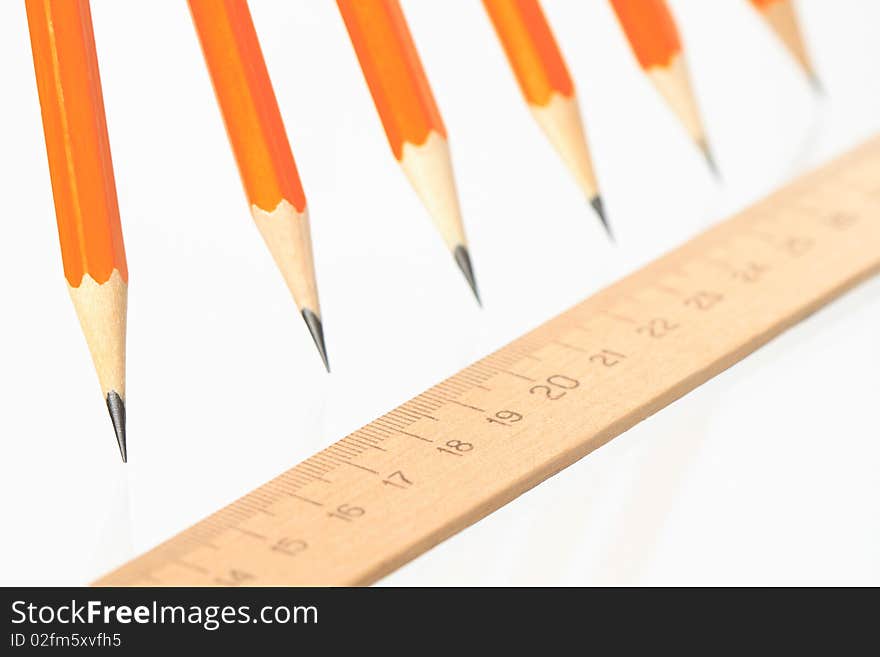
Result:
x=456 y=447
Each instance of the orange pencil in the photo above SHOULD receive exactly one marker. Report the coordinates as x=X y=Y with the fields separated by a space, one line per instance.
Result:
x=86 y=209
x=406 y=106
x=543 y=79
x=653 y=36
x=782 y=19
x=259 y=141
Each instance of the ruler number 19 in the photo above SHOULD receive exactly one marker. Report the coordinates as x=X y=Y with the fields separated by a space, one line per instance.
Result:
x=505 y=418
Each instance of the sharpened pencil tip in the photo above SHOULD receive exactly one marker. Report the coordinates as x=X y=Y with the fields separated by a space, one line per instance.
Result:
x=599 y=207
x=316 y=328
x=816 y=83
x=116 y=408
x=463 y=260
x=710 y=160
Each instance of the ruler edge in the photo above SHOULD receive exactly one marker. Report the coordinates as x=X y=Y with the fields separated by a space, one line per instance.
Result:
x=507 y=494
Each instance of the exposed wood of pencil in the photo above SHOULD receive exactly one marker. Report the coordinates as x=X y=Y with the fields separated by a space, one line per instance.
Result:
x=409 y=114
x=86 y=208
x=544 y=81
x=259 y=141
x=782 y=19
x=653 y=36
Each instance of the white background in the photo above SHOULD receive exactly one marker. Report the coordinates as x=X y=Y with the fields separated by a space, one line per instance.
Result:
x=767 y=474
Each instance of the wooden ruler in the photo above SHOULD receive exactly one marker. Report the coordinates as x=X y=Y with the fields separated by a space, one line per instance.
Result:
x=413 y=477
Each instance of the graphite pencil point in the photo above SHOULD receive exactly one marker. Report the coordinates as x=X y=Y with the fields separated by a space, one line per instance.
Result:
x=599 y=207
x=116 y=408
x=816 y=83
x=713 y=167
x=316 y=328
x=463 y=260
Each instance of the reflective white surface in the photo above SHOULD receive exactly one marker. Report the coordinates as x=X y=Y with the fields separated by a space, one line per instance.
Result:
x=766 y=475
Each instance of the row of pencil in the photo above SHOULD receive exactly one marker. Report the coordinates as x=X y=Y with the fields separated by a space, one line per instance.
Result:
x=93 y=253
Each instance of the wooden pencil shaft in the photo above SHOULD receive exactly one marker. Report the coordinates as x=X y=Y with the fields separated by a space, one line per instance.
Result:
x=393 y=71
x=352 y=514
x=247 y=101
x=531 y=49
x=650 y=30
x=259 y=141
x=77 y=144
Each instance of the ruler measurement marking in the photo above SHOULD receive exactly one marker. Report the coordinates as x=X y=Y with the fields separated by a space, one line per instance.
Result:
x=343 y=449
x=317 y=467
x=329 y=458
x=463 y=405
x=298 y=477
x=422 y=405
x=310 y=464
x=355 y=445
x=476 y=381
x=247 y=532
x=370 y=445
x=773 y=282
x=361 y=467
x=484 y=369
x=518 y=376
x=418 y=416
x=570 y=346
x=306 y=499
x=383 y=422
x=438 y=399
x=412 y=435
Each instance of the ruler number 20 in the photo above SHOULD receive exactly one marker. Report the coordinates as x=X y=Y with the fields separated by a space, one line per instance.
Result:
x=555 y=387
